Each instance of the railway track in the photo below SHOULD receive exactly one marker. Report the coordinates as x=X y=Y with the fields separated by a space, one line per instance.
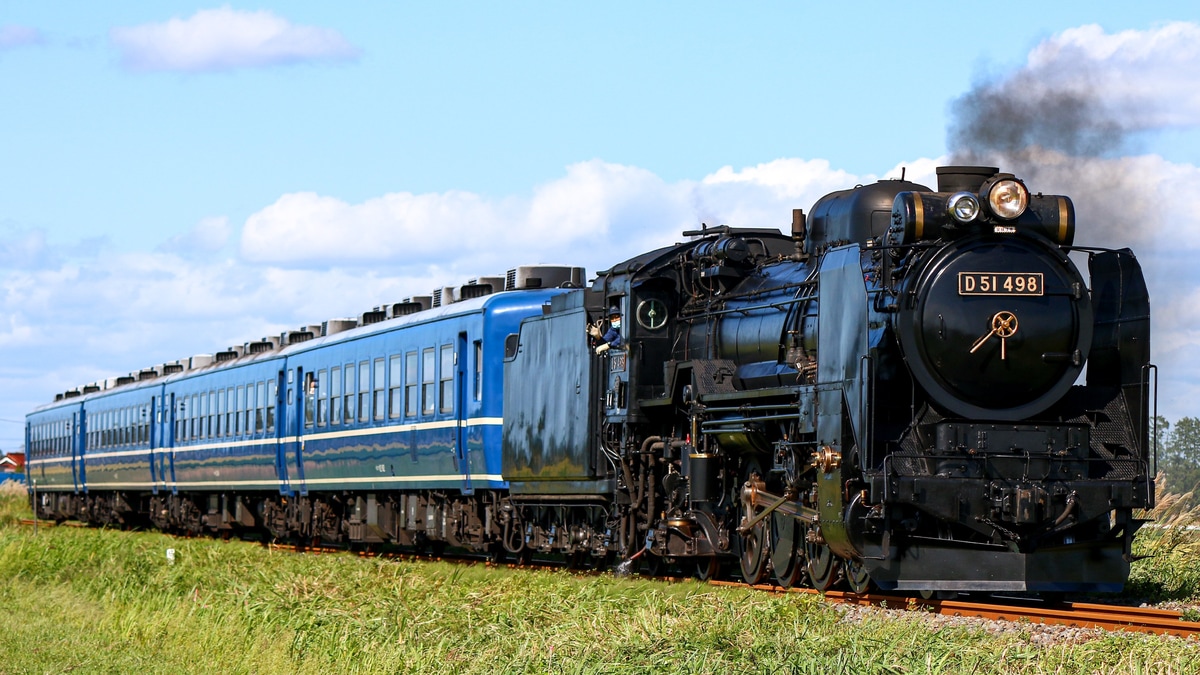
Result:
x=1072 y=614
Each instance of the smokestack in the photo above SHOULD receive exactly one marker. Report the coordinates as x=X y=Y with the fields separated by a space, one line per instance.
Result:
x=963 y=178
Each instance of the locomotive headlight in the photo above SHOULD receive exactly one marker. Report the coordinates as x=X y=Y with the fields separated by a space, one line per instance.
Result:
x=964 y=206
x=1007 y=199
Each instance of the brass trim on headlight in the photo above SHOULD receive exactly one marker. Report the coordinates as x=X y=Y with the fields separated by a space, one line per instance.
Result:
x=1063 y=218
x=919 y=228
x=1005 y=210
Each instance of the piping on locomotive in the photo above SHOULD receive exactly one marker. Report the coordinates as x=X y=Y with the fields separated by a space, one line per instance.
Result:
x=889 y=395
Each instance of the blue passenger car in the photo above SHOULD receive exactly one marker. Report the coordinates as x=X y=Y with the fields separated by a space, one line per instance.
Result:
x=411 y=401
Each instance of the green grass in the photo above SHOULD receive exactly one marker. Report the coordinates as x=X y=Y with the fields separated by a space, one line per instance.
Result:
x=93 y=600
x=1170 y=570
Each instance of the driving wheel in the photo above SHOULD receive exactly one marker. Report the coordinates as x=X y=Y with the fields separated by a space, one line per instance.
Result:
x=821 y=564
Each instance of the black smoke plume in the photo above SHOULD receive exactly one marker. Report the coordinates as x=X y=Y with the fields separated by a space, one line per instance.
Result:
x=1061 y=136
x=1007 y=117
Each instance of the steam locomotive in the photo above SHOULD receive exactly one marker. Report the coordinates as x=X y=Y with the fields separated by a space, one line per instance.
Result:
x=893 y=394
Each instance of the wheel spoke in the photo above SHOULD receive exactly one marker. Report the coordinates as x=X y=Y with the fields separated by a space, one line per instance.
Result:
x=708 y=568
x=822 y=565
x=785 y=561
x=857 y=576
x=754 y=545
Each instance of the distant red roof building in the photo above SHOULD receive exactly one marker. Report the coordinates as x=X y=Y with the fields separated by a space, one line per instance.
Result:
x=13 y=462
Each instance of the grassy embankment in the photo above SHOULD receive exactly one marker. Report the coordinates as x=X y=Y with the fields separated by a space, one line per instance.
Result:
x=92 y=600
x=1171 y=544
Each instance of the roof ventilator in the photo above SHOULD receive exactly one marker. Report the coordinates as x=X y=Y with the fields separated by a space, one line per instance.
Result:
x=417 y=303
x=333 y=326
x=528 y=277
x=477 y=288
x=298 y=336
x=374 y=316
x=264 y=345
x=228 y=355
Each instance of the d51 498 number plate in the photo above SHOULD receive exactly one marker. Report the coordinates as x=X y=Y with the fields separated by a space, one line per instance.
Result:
x=1000 y=283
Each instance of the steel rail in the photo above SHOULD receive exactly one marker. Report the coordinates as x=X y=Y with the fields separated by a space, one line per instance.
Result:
x=1075 y=614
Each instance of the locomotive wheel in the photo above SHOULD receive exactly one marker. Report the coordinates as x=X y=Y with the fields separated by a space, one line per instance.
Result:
x=822 y=565
x=753 y=546
x=576 y=560
x=494 y=553
x=753 y=556
x=857 y=576
x=655 y=565
x=708 y=568
x=788 y=568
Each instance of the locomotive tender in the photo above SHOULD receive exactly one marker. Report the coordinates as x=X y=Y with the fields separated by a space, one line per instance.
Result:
x=885 y=396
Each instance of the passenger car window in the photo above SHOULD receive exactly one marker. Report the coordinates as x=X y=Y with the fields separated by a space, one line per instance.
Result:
x=272 y=395
x=380 y=381
x=395 y=382
x=322 y=397
x=260 y=403
x=335 y=395
x=410 y=384
x=427 y=381
x=478 y=370
x=310 y=400
x=349 y=393
x=364 y=391
x=446 y=393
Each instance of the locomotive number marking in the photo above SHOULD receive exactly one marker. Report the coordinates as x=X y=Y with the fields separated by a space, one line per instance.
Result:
x=617 y=362
x=1000 y=283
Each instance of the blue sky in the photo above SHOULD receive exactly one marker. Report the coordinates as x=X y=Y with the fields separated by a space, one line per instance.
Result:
x=178 y=177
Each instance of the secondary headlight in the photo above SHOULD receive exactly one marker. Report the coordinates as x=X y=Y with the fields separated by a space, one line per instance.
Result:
x=1008 y=199
x=964 y=206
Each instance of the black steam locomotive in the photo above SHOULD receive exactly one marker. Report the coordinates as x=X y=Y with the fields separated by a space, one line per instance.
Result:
x=887 y=396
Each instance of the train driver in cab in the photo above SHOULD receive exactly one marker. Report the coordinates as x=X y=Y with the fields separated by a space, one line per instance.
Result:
x=611 y=338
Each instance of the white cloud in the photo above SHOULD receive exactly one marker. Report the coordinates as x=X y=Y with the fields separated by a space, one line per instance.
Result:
x=305 y=226
x=207 y=236
x=1147 y=76
x=598 y=214
x=226 y=39
x=785 y=177
x=596 y=209
x=12 y=36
